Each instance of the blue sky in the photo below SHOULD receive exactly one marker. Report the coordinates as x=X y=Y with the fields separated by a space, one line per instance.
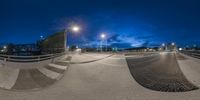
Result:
x=127 y=23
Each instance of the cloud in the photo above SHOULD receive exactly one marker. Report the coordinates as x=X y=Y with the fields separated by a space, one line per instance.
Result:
x=121 y=45
x=126 y=40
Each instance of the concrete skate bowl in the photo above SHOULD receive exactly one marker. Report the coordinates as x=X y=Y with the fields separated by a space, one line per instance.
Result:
x=159 y=73
x=19 y=77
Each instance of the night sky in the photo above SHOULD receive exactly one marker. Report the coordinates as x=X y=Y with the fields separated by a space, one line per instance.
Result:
x=127 y=23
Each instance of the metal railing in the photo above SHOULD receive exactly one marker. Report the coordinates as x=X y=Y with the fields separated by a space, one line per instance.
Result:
x=12 y=58
x=129 y=53
x=192 y=54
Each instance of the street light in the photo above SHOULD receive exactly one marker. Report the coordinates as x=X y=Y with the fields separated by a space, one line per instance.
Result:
x=75 y=28
x=70 y=29
x=103 y=36
x=163 y=46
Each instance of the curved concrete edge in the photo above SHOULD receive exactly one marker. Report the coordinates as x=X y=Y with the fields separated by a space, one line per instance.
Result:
x=191 y=69
x=18 y=79
x=8 y=78
x=126 y=73
x=91 y=60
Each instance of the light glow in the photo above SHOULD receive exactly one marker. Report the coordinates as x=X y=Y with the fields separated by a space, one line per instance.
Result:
x=103 y=35
x=163 y=44
x=4 y=47
x=180 y=49
x=75 y=28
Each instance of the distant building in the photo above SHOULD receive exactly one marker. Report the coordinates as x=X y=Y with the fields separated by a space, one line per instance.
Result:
x=143 y=49
x=20 y=49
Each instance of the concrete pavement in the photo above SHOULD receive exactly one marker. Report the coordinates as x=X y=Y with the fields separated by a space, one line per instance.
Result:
x=25 y=76
x=106 y=79
x=38 y=75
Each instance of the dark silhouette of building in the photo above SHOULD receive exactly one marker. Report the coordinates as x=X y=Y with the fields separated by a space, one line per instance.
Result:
x=53 y=44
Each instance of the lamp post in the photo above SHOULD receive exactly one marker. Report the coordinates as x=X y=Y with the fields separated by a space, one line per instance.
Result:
x=173 y=46
x=73 y=29
x=103 y=36
x=163 y=46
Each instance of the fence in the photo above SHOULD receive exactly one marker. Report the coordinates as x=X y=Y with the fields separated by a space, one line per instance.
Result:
x=192 y=54
x=12 y=58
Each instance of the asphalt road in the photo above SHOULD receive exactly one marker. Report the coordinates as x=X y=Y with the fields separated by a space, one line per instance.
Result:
x=160 y=72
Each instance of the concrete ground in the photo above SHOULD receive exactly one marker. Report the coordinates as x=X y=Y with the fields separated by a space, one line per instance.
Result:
x=30 y=76
x=105 y=79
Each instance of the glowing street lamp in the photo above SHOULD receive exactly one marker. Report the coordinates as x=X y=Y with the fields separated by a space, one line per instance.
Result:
x=103 y=35
x=75 y=28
